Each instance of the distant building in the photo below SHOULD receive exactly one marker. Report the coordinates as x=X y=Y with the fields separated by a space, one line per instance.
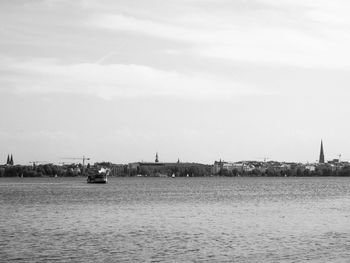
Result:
x=310 y=167
x=167 y=169
x=9 y=160
x=334 y=161
x=139 y=167
x=157 y=159
x=217 y=167
x=230 y=166
x=321 y=160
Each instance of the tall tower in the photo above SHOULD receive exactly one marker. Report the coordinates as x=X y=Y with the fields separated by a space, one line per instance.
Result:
x=321 y=160
x=157 y=160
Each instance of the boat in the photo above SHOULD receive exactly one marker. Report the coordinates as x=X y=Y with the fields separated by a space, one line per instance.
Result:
x=98 y=178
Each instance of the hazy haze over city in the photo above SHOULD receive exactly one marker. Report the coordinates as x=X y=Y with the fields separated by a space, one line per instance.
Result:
x=196 y=80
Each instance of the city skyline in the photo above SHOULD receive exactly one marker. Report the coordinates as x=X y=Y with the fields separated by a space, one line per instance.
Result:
x=85 y=160
x=195 y=80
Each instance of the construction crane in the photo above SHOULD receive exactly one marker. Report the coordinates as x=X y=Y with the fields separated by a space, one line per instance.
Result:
x=84 y=158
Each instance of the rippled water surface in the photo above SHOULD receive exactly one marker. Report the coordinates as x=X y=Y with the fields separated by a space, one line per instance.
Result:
x=175 y=219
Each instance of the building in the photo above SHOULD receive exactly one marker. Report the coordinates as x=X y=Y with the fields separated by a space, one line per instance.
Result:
x=230 y=166
x=168 y=169
x=321 y=160
x=9 y=160
x=310 y=167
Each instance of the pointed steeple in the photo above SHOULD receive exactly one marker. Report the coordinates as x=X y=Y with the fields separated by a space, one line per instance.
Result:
x=8 y=159
x=11 y=160
x=157 y=160
x=321 y=160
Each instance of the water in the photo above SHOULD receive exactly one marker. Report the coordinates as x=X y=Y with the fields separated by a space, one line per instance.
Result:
x=175 y=220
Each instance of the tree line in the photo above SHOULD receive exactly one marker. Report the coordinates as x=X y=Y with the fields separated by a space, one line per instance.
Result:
x=182 y=170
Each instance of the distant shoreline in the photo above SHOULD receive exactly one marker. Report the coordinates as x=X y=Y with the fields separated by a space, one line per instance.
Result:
x=164 y=170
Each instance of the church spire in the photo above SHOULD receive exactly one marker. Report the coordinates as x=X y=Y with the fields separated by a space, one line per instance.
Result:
x=157 y=160
x=321 y=160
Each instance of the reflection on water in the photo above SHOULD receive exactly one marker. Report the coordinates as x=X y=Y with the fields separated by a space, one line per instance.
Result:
x=181 y=219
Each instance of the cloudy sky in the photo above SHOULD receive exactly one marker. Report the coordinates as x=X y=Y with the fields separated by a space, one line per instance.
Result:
x=197 y=80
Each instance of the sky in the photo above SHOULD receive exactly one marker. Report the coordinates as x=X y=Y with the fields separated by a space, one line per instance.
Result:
x=198 y=80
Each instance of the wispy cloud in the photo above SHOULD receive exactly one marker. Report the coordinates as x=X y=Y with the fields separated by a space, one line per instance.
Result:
x=116 y=80
x=270 y=34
